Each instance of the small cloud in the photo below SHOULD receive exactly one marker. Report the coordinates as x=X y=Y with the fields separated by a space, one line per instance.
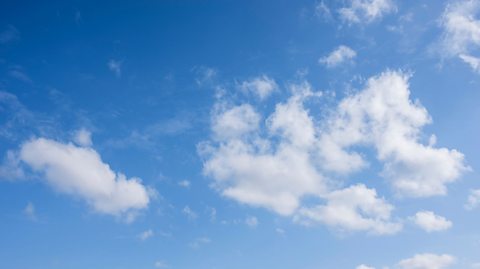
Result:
x=189 y=213
x=115 y=66
x=83 y=138
x=251 y=222
x=474 y=62
x=366 y=11
x=363 y=266
x=427 y=261
x=78 y=17
x=280 y=231
x=212 y=213
x=165 y=234
x=461 y=32
x=198 y=242
x=29 y=211
x=160 y=264
x=10 y=167
x=145 y=235
x=184 y=184
x=428 y=221
x=18 y=74
x=340 y=55
x=9 y=34
x=80 y=172
x=323 y=11
x=261 y=86
x=473 y=199
x=204 y=75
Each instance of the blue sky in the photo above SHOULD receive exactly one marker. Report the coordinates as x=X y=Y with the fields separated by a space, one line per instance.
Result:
x=240 y=134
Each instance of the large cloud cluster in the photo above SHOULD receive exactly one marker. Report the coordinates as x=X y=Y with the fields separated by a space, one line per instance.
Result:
x=278 y=160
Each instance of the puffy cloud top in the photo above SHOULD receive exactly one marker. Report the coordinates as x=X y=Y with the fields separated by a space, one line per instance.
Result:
x=79 y=171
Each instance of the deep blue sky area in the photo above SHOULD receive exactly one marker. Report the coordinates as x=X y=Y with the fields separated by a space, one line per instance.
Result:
x=240 y=134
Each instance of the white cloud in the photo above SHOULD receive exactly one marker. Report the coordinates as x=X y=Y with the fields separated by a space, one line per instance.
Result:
x=247 y=168
x=461 y=31
x=213 y=213
x=184 y=184
x=204 y=75
x=234 y=122
x=366 y=11
x=428 y=221
x=340 y=55
x=355 y=208
x=9 y=34
x=251 y=222
x=160 y=264
x=189 y=213
x=79 y=171
x=29 y=211
x=10 y=168
x=18 y=73
x=323 y=11
x=474 y=62
x=83 y=138
x=145 y=235
x=276 y=161
x=200 y=241
x=427 y=261
x=115 y=66
x=473 y=199
x=363 y=266
x=383 y=116
x=261 y=86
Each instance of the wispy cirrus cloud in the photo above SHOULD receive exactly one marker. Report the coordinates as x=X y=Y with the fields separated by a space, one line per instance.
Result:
x=9 y=34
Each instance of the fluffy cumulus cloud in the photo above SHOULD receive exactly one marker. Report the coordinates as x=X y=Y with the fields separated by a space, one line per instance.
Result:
x=365 y=11
x=430 y=222
x=261 y=86
x=235 y=122
x=340 y=55
x=473 y=199
x=461 y=31
x=29 y=211
x=427 y=261
x=251 y=222
x=79 y=171
x=249 y=168
x=363 y=266
x=160 y=264
x=354 y=208
x=383 y=116
x=83 y=137
x=278 y=160
x=145 y=235
x=115 y=66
